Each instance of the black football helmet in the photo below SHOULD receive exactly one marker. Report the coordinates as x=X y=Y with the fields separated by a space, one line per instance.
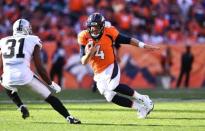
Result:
x=95 y=25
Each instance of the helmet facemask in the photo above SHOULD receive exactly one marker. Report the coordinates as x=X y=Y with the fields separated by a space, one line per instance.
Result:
x=96 y=24
x=96 y=31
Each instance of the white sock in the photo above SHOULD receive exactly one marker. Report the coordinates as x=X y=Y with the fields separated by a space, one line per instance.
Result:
x=137 y=96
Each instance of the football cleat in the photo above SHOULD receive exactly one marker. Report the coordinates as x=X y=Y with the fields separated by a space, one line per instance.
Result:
x=73 y=120
x=147 y=103
x=24 y=111
x=142 y=112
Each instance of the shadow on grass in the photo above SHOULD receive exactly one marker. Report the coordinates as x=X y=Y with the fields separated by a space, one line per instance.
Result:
x=46 y=122
x=174 y=118
x=148 y=125
x=108 y=109
x=179 y=111
x=119 y=124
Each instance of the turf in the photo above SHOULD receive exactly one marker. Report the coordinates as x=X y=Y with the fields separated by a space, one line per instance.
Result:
x=176 y=110
x=167 y=116
x=82 y=94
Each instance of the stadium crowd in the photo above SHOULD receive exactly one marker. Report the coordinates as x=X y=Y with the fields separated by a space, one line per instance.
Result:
x=156 y=21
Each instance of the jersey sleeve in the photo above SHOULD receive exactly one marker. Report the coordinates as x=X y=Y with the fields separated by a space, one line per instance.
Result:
x=37 y=41
x=113 y=32
x=82 y=38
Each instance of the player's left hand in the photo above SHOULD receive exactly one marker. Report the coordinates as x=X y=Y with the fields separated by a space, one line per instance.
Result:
x=55 y=87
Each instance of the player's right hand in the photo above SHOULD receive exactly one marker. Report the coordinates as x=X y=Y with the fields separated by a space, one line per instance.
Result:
x=55 y=87
x=90 y=49
x=93 y=50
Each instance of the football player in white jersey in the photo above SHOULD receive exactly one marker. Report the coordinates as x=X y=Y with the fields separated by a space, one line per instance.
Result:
x=16 y=53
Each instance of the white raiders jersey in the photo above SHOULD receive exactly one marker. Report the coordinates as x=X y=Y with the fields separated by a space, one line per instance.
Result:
x=17 y=52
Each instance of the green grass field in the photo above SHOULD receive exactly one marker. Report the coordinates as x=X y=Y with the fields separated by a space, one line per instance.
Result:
x=187 y=115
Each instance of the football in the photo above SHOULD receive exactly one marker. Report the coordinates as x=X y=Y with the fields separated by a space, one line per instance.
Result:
x=88 y=46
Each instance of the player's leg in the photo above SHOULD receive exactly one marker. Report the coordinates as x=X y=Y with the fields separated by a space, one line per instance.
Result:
x=94 y=86
x=60 y=108
x=126 y=90
x=144 y=106
x=57 y=105
x=106 y=87
x=113 y=97
x=16 y=99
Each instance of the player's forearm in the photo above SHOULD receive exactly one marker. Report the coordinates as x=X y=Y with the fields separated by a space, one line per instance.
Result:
x=85 y=59
x=140 y=44
x=44 y=75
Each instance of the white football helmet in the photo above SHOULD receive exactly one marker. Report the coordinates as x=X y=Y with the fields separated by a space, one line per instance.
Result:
x=22 y=26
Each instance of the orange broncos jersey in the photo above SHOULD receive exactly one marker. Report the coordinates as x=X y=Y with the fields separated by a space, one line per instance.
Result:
x=105 y=52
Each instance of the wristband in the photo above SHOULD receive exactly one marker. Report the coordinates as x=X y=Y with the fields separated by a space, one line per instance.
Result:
x=141 y=44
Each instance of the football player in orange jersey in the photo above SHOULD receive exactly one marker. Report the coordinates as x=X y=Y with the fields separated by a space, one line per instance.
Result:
x=96 y=48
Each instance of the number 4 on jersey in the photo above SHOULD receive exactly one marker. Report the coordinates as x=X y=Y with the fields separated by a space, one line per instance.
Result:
x=100 y=53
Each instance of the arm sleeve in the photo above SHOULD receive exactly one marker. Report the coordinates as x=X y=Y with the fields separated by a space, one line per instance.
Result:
x=82 y=50
x=113 y=32
x=122 y=39
x=117 y=46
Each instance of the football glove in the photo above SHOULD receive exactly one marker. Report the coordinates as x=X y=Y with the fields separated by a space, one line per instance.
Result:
x=55 y=87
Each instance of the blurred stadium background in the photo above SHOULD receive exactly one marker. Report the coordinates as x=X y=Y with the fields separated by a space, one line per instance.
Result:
x=171 y=24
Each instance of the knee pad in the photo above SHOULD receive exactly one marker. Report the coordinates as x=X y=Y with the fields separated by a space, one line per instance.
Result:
x=109 y=95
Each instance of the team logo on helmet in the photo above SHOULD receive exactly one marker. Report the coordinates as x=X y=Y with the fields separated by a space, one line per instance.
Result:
x=22 y=26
